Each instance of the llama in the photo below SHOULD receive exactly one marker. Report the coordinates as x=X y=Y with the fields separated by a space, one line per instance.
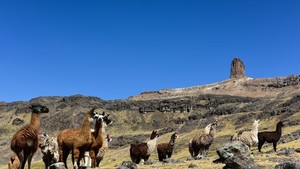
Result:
x=102 y=150
x=248 y=137
x=75 y=140
x=25 y=141
x=270 y=136
x=202 y=142
x=49 y=149
x=14 y=162
x=206 y=131
x=97 y=137
x=105 y=122
x=143 y=150
x=165 y=150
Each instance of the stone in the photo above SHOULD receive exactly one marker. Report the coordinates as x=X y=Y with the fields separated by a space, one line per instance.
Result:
x=236 y=155
x=127 y=165
x=288 y=165
x=237 y=69
x=17 y=122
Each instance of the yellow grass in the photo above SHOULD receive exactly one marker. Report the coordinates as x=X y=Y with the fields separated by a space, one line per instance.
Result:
x=115 y=157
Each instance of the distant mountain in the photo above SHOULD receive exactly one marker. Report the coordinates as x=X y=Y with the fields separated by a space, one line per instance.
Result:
x=246 y=87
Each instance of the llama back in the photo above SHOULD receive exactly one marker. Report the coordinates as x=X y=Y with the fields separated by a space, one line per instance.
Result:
x=136 y=149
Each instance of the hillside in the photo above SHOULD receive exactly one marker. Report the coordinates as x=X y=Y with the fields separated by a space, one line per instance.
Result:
x=236 y=102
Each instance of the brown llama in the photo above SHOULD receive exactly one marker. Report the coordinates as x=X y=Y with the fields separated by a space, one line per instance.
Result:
x=143 y=150
x=25 y=141
x=201 y=143
x=97 y=137
x=14 y=162
x=75 y=140
x=270 y=136
x=165 y=150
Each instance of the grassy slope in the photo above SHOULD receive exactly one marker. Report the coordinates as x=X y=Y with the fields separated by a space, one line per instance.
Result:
x=117 y=156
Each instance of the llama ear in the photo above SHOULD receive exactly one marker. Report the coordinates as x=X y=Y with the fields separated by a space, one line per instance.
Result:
x=103 y=113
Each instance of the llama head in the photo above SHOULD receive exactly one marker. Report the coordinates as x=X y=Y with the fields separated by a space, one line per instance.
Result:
x=216 y=122
x=175 y=135
x=37 y=108
x=280 y=124
x=213 y=126
x=154 y=134
x=95 y=115
x=106 y=119
x=92 y=114
x=256 y=122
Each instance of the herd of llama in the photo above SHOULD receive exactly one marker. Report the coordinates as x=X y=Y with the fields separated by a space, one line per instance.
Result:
x=87 y=145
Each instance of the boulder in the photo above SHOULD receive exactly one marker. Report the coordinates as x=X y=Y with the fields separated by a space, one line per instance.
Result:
x=236 y=155
x=288 y=165
x=127 y=165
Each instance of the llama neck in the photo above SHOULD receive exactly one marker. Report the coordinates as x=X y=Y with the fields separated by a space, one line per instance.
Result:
x=98 y=129
x=212 y=132
x=255 y=129
x=207 y=128
x=35 y=121
x=278 y=130
x=85 y=129
x=152 y=144
x=172 y=142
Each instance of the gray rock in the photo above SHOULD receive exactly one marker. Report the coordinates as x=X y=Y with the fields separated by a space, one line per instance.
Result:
x=288 y=165
x=236 y=155
x=127 y=165
x=192 y=166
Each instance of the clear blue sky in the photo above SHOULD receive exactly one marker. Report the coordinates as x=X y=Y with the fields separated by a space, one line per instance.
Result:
x=115 y=49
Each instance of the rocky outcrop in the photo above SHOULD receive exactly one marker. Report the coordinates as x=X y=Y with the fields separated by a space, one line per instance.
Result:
x=237 y=69
x=288 y=165
x=236 y=155
x=127 y=165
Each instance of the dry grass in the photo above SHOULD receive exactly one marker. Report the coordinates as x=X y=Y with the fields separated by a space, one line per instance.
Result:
x=115 y=157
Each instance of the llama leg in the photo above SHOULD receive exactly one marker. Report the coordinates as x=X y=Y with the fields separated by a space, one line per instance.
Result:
x=146 y=158
x=93 y=159
x=160 y=156
x=76 y=154
x=274 y=145
x=87 y=159
x=29 y=160
x=138 y=160
x=65 y=157
x=260 y=144
x=21 y=158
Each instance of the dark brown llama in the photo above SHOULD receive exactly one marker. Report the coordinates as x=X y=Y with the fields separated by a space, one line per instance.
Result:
x=75 y=140
x=143 y=150
x=270 y=136
x=25 y=142
x=165 y=150
x=97 y=137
